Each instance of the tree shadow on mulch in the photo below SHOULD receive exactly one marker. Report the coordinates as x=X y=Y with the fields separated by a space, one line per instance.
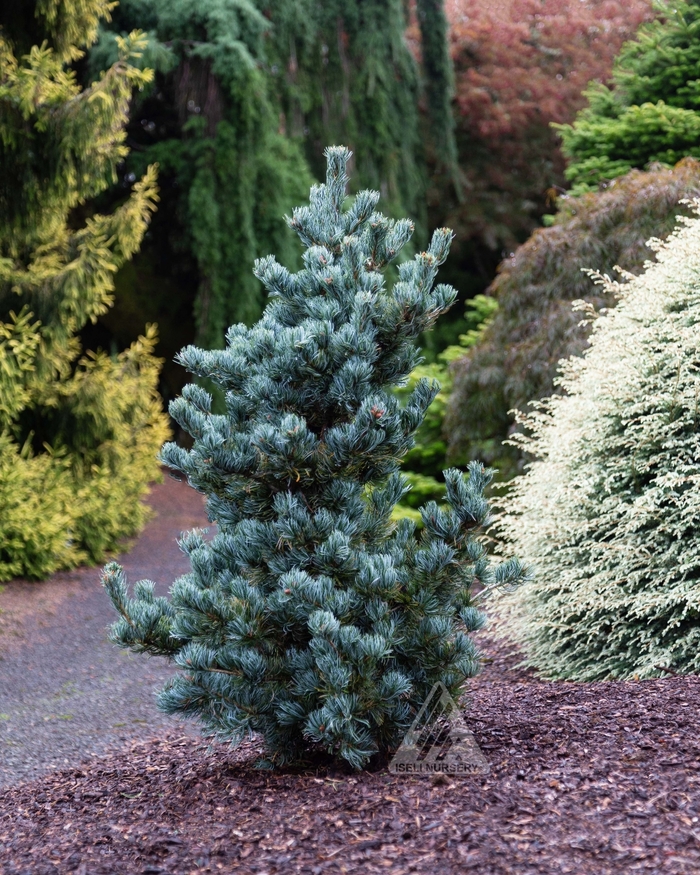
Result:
x=586 y=778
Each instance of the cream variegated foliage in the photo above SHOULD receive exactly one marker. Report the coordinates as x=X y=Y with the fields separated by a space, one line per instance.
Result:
x=608 y=513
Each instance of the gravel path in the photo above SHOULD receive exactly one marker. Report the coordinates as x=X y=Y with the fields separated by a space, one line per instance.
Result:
x=67 y=693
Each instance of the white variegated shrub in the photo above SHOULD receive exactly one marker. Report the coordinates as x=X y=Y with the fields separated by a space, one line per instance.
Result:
x=608 y=513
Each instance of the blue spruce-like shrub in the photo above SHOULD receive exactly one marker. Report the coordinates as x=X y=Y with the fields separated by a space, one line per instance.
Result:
x=309 y=617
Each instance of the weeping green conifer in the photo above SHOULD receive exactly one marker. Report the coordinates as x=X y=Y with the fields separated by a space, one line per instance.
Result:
x=439 y=80
x=344 y=72
x=211 y=124
x=247 y=95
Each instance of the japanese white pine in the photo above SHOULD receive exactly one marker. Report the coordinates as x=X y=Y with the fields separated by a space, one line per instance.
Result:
x=309 y=617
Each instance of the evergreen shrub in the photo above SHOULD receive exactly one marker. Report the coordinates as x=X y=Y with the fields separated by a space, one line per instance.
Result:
x=649 y=111
x=609 y=510
x=309 y=617
x=79 y=430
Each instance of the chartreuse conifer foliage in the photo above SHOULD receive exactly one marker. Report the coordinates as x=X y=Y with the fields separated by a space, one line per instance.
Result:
x=79 y=433
x=609 y=511
x=309 y=617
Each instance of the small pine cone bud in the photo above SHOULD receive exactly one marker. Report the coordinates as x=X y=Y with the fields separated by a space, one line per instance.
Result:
x=377 y=413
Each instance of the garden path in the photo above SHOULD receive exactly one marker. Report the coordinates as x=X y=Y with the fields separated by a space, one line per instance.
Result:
x=66 y=692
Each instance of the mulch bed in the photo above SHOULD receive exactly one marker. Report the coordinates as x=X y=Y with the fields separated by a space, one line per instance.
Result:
x=585 y=778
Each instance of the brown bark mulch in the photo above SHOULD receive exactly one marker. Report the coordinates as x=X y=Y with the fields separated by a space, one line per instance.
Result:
x=585 y=778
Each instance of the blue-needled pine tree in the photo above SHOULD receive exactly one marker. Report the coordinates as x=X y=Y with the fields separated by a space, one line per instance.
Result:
x=309 y=617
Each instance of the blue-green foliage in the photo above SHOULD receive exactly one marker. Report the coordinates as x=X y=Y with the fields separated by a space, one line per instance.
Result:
x=310 y=617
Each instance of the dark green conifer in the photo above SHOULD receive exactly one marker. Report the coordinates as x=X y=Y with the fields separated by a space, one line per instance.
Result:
x=247 y=93
x=228 y=172
x=439 y=80
x=309 y=617
x=649 y=113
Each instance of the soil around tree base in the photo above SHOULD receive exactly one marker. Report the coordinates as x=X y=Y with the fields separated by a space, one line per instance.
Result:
x=585 y=778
